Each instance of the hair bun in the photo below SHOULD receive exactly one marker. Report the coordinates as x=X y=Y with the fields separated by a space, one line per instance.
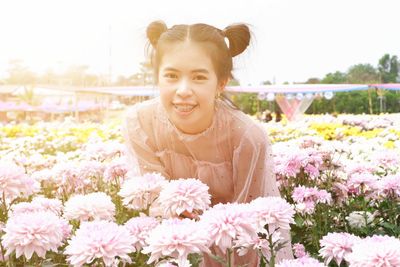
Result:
x=154 y=31
x=238 y=36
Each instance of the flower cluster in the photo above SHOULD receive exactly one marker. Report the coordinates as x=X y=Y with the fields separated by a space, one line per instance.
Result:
x=307 y=197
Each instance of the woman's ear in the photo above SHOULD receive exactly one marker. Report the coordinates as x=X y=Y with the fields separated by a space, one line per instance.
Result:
x=222 y=84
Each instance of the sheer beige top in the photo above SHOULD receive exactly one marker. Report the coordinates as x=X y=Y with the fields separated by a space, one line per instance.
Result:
x=233 y=156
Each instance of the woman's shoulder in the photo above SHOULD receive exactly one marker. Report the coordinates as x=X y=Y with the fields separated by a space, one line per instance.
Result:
x=242 y=125
x=142 y=110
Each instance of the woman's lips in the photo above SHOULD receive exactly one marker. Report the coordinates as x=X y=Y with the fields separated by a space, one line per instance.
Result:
x=184 y=109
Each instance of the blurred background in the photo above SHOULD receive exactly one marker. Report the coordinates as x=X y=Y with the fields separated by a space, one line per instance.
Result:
x=88 y=55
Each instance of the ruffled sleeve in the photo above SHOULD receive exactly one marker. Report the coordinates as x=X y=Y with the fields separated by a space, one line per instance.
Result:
x=137 y=132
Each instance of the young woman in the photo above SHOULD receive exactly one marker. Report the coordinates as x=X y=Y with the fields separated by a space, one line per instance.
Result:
x=189 y=131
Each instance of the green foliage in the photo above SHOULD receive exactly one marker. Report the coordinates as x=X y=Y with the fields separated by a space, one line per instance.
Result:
x=335 y=78
x=355 y=102
x=388 y=68
x=249 y=103
x=363 y=73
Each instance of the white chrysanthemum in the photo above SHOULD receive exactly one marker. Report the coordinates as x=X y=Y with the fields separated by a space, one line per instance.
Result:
x=359 y=219
x=184 y=195
x=141 y=191
x=93 y=206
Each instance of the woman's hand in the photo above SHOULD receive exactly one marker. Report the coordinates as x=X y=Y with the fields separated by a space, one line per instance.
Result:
x=191 y=215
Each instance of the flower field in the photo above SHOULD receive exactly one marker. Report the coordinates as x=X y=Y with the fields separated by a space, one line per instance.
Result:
x=68 y=197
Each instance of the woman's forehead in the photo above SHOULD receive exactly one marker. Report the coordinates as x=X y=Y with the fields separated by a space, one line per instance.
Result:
x=186 y=56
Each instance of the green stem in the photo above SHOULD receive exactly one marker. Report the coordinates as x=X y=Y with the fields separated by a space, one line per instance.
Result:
x=271 y=247
x=229 y=257
x=5 y=209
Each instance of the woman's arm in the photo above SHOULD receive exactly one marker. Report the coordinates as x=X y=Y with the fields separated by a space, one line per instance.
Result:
x=253 y=167
x=141 y=152
x=254 y=176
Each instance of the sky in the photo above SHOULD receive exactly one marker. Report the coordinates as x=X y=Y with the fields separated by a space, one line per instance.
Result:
x=292 y=40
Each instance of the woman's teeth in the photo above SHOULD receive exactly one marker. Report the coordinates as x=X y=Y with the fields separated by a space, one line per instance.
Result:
x=184 y=108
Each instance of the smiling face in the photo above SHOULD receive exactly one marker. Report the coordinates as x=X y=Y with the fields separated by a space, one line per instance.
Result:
x=188 y=85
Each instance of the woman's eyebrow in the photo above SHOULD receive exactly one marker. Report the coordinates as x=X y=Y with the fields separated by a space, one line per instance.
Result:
x=201 y=70
x=170 y=69
x=205 y=71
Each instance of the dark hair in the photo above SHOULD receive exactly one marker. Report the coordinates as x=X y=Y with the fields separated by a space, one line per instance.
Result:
x=213 y=40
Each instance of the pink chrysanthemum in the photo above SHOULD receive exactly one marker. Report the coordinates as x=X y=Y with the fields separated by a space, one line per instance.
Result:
x=67 y=177
x=49 y=204
x=93 y=206
x=35 y=232
x=387 y=159
x=299 y=250
x=225 y=222
x=141 y=191
x=389 y=186
x=101 y=150
x=301 y=262
x=36 y=205
x=292 y=162
x=116 y=171
x=336 y=246
x=272 y=211
x=359 y=168
x=362 y=184
x=382 y=251
x=304 y=194
x=177 y=239
x=24 y=207
x=245 y=242
x=184 y=194
x=308 y=197
x=15 y=183
x=99 y=240
x=140 y=227
x=90 y=169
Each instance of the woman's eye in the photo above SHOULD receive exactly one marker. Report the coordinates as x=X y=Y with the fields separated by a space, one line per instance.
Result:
x=170 y=76
x=200 y=77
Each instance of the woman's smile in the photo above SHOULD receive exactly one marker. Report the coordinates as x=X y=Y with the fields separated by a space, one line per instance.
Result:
x=184 y=109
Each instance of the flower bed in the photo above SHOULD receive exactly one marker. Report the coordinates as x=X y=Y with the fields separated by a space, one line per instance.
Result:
x=68 y=197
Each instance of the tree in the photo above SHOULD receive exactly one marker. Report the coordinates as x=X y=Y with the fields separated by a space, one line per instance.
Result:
x=233 y=82
x=366 y=74
x=49 y=77
x=77 y=75
x=335 y=78
x=388 y=68
x=362 y=73
x=19 y=74
x=313 y=81
x=147 y=72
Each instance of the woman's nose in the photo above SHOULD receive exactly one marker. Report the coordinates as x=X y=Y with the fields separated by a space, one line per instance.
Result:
x=184 y=89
